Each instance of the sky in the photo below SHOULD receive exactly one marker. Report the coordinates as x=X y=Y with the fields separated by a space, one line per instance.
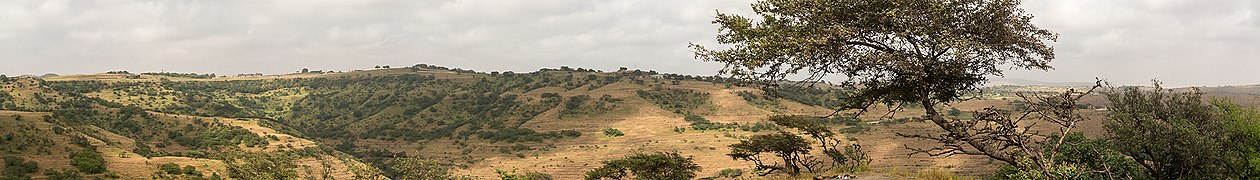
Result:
x=1179 y=42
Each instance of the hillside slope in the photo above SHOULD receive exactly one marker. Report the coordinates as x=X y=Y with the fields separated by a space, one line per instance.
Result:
x=377 y=123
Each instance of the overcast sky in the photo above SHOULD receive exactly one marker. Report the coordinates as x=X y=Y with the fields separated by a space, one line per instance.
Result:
x=1180 y=42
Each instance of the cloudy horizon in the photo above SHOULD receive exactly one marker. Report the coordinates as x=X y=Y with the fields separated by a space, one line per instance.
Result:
x=1179 y=42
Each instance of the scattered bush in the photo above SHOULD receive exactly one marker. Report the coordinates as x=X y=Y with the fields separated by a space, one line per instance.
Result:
x=679 y=101
x=417 y=168
x=18 y=168
x=261 y=166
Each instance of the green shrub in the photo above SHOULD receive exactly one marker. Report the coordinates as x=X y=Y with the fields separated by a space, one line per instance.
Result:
x=190 y=170
x=660 y=165
x=1176 y=135
x=679 y=101
x=18 y=168
x=613 y=132
x=88 y=161
x=68 y=174
x=170 y=168
x=731 y=173
x=528 y=175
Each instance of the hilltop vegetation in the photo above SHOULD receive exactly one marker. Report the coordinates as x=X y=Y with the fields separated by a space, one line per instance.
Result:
x=423 y=121
x=482 y=114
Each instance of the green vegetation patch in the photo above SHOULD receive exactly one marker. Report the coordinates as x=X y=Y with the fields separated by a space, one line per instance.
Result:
x=679 y=101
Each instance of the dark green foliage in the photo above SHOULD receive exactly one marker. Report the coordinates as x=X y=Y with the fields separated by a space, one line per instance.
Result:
x=214 y=135
x=894 y=52
x=79 y=140
x=613 y=132
x=1244 y=125
x=909 y=63
x=582 y=104
x=954 y=112
x=792 y=149
x=6 y=101
x=22 y=138
x=760 y=101
x=192 y=171
x=133 y=122
x=416 y=168
x=699 y=123
x=571 y=133
x=262 y=166
x=1084 y=154
x=170 y=168
x=512 y=135
x=88 y=161
x=1095 y=154
x=1172 y=135
x=18 y=168
x=731 y=173
x=659 y=165
x=431 y=108
x=679 y=101
x=834 y=97
x=68 y=174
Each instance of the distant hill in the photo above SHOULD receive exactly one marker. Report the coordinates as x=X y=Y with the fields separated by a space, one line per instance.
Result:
x=1026 y=82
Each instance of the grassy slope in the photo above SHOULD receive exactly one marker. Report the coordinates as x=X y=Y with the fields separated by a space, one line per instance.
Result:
x=648 y=128
x=117 y=149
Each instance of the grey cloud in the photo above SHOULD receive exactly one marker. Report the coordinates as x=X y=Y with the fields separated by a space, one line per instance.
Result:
x=1182 y=42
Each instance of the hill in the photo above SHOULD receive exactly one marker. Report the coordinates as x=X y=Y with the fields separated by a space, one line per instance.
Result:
x=378 y=123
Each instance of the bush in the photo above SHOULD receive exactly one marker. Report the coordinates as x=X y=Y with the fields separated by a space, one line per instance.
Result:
x=660 y=165
x=1175 y=135
x=18 y=168
x=417 y=168
x=68 y=174
x=190 y=170
x=731 y=173
x=680 y=101
x=170 y=168
x=262 y=166
x=88 y=161
x=1075 y=156
x=571 y=133
x=613 y=132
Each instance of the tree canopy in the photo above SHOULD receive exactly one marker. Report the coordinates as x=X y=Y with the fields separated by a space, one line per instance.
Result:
x=897 y=51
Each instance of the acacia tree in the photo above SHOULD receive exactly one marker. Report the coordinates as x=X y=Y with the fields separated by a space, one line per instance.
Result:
x=659 y=165
x=926 y=52
x=792 y=149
